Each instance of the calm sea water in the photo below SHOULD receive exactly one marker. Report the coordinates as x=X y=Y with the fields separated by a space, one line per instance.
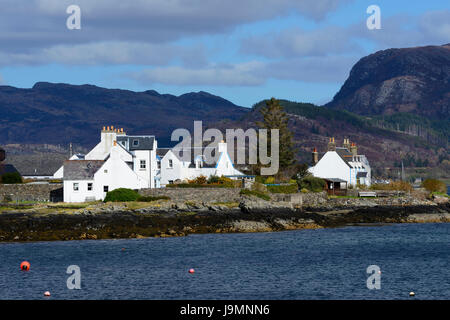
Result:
x=306 y=264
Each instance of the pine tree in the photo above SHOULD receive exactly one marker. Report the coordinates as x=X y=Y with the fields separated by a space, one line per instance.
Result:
x=274 y=117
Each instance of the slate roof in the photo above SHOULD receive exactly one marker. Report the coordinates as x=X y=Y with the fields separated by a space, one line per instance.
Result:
x=81 y=169
x=208 y=150
x=345 y=154
x=143 y=142
x=161 y=152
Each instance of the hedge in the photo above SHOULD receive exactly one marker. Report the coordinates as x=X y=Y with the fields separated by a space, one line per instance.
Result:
x=11 y=178
x=122 y=195
x=288 y=188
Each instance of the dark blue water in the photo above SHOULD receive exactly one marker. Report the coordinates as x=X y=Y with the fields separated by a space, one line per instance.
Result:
x=309 y=264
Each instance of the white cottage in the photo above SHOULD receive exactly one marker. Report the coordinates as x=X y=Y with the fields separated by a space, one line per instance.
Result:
x=117 y=161
x=135 y=162
x=175 y=166
x=342 y=164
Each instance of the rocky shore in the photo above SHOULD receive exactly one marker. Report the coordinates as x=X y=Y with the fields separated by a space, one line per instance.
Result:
x=164 y=218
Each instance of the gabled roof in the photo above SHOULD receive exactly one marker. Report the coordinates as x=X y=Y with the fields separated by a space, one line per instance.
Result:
x=161 y=152
x=81 y=169
x=143 y=142
x=210 y=150
x=345 y=154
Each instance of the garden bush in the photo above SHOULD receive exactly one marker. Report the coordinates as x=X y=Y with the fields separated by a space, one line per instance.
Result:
x=11 y=178
x=393 y=185
x=288 y=188
x=434 y=185
x=122 y=195
x=313 y=184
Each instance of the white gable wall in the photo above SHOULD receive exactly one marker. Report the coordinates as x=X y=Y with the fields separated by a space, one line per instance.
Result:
x=102 y=150
x=331 y=165
x=70 y=195
x=115 y=174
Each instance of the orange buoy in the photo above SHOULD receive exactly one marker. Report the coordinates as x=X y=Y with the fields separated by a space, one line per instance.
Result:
x=25 y=266
x=47 y=293
x=191 y=270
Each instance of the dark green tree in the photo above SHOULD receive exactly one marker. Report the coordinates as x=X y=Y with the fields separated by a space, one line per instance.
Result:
x=274 y=117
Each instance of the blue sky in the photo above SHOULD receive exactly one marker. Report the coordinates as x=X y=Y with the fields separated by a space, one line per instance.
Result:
x=244 y=50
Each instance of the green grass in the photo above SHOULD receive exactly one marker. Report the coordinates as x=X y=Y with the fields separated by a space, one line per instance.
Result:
x=291 y=188
x=258 y=194
x=440 y=194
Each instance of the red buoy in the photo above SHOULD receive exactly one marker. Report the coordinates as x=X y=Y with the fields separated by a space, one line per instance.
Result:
x=191 y=270
x=25 y=266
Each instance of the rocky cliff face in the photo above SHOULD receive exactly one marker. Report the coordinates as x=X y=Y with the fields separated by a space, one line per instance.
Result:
x=413 y=80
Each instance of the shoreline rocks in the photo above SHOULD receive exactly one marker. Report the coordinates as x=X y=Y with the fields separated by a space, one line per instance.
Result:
x=180 y=218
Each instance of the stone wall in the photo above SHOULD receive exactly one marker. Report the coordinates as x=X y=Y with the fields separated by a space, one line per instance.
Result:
x=196 y=194
x=314 y=198
x=31 y=192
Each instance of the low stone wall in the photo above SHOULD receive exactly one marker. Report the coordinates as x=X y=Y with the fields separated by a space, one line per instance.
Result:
x=314 y=198
x=206 y=195
x=31 y=192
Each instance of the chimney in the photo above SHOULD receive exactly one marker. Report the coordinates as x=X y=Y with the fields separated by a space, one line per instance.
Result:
x=346 y=143
x=222 y=146
x=315 y=156
x=354 y=149
x=331 y=145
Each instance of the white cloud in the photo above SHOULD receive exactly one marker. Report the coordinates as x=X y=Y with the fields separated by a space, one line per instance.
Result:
x=296 y=42
x=254 y=73
x=244 y=74
x=108 y=53
x=41 y=23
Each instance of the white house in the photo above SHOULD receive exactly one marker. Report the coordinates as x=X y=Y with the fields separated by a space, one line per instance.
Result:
x=135 y=162
x=342 y=164
x=194 y=163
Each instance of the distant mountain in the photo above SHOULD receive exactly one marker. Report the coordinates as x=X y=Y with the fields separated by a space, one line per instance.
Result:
x=409 y=80
x=62 y=113
x=386 y=142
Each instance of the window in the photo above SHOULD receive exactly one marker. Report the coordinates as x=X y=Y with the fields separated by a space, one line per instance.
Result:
x=135 y=143
x=170 y=163
x=105 y=188
x=76 y=186
x=89 y=186
x=105 y=171
x=170 y=181
x=159 y=164
x=143 y=165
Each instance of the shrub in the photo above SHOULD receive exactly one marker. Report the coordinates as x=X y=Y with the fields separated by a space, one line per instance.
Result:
x=304 y=190
x=393 y=185
x=270 y=180
x=259 y=187
x=152 y=198
x=11 y=178
x=289 y=188
x=121 y=195
x=434 y=185
x=213 y=179
x=312 y=183
x=199 y=180
x=228 y=182
x=255 y=193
